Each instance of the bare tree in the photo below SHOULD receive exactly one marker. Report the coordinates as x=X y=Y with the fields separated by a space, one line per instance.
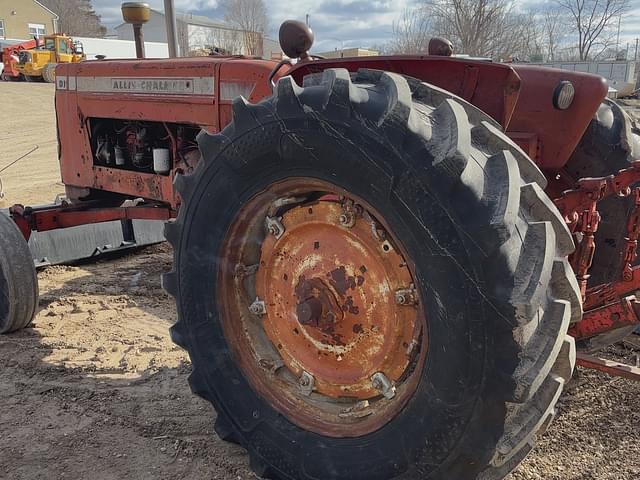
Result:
x=594 y=23
x=481 y=28
x=182 y=32
x=553 y=26
x=249 y=16
x=76 y=17
x=227 y=41
x=411 y=32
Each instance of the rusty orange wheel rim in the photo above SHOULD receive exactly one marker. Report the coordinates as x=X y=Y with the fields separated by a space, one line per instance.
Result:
x=319 y=305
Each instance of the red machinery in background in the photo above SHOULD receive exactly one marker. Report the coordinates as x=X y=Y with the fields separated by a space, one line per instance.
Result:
x=9 y=55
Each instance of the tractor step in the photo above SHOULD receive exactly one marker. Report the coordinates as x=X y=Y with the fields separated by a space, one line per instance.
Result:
x=73 y=244
x=76 y=238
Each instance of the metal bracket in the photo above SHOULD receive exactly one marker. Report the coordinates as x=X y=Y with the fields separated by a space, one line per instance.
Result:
x=307 y=383
x=258 y=307
x=619 y=314
x=407 y=296
x=381 y=383
x=348 y=216
x=610 y=367
x=274 y=226
x=243 y=270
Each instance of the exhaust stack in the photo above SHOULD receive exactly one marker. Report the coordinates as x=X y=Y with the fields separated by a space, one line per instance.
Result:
x=137 y=14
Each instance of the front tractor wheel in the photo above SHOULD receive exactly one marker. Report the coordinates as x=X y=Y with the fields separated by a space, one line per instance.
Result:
x=18 y=280
x=371 y=284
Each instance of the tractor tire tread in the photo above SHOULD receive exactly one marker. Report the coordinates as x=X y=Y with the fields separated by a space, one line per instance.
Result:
x=18 y=280
x=471 y=156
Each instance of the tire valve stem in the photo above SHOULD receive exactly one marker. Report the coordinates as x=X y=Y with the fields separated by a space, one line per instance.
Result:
x=258 y=307
x=380 y=382
x=307 y=383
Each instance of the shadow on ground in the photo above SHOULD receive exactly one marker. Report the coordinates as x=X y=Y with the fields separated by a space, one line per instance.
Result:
x=95 y=388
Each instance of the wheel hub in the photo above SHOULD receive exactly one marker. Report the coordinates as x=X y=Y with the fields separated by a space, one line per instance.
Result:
x=329 y=283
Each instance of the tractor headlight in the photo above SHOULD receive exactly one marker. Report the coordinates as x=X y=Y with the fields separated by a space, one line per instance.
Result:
x=563 y=95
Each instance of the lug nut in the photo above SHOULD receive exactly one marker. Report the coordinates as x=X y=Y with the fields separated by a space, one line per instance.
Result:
x=380 y=382
x=306 y=382
x=258 y=307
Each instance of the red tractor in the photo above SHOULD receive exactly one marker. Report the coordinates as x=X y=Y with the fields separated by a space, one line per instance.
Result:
x=371 y=276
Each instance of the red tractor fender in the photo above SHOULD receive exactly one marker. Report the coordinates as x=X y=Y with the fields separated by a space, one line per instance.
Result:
x=519 y=97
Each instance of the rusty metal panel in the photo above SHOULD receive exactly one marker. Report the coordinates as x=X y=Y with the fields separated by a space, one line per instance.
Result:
x=610 y=367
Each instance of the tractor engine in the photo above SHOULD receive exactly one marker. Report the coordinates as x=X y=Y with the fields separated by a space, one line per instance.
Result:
x=128 y=127
x=151 y=147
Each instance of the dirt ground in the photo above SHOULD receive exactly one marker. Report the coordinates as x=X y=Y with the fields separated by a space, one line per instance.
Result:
x=95 y=389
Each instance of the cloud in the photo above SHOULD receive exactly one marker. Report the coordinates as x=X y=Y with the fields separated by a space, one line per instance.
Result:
x=336 y=23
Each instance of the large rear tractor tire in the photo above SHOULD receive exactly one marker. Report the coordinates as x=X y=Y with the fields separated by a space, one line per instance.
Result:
x=18 y=280
x=371 y=284
x=610 y=144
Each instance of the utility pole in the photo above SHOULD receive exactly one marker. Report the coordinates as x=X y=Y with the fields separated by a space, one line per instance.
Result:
x=172 y=36
x=635 y=56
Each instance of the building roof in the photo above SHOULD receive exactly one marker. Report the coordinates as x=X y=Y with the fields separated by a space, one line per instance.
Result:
x=192 y=19
x=48 y=10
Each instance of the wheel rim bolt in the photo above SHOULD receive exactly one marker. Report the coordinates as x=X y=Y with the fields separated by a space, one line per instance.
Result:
x=306 y=382
x=380 y=382
x=258 y=307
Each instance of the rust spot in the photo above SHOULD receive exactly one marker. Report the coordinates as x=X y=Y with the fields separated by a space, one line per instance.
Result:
x=359 y=280
x=285 y=277
x=348 y=306
x=316 y=245
x=296 y=331
x=357 y=328
x=314 y=294
x=340 y=281
x=363 y=269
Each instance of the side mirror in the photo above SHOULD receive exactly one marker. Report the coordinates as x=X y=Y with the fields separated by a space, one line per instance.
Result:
x=296 y=39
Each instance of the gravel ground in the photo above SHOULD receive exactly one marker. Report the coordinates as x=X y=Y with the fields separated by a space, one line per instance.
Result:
x=95 y=389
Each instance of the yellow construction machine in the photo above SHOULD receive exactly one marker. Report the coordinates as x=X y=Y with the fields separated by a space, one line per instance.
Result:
x=40 y=63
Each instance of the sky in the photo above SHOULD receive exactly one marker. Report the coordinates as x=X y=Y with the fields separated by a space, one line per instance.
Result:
x=336 y=23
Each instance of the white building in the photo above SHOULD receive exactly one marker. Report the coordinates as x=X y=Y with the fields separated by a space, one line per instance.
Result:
x=195 y=33
x=113 y=49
